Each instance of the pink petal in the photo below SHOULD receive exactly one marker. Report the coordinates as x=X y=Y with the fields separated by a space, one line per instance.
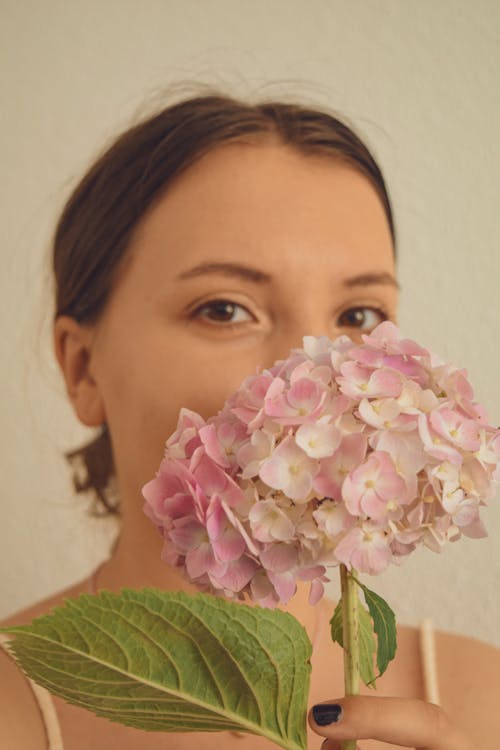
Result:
x=316 y=592
x=372 y=560
x=390 y=486
x=351 y=494
x=475 y=530
x=385 y=383
x=236 y=575
x=284 y=585
x=229 y=546
x=201 y=560
x=318 y=440
x=187 y=534
x=262 y=591
x=213 y=448
x=305 y=394
x=279 y=558
x=372 y=505
x=310 y=574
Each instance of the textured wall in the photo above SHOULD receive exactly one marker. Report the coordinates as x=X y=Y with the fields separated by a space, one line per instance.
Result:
x=419 y=80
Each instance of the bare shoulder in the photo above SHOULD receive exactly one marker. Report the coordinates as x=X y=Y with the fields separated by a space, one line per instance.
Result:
x=468 y=662
x=469 y=679
x=44 y=606
x=21 y=724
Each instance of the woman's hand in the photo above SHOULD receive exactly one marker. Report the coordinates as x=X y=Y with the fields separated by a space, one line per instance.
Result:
x=408 y=722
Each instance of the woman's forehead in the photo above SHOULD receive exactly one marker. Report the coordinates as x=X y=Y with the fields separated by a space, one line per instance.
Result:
x=266 y=206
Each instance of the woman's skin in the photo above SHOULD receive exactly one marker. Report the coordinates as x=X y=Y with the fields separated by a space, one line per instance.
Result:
x=295 y=246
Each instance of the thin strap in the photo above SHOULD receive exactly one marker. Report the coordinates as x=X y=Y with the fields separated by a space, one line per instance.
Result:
x=429 y=663
x=45 y=705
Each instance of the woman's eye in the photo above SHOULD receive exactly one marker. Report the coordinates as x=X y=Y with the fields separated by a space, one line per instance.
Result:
x=223 y=311
x=363 y=318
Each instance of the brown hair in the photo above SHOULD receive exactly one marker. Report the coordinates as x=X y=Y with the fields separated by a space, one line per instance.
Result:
x=99 y=219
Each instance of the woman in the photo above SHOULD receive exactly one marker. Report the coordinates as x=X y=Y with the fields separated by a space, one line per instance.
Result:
x=206 y=242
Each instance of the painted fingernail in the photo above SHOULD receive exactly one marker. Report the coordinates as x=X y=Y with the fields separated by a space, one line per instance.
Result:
x=326 y=713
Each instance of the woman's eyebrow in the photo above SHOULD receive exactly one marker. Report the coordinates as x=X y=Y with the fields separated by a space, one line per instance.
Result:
x=227 y=269
x=247 y=273
x=371 y=279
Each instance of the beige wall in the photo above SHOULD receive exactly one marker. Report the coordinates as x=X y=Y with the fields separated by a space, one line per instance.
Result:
x=419 y=80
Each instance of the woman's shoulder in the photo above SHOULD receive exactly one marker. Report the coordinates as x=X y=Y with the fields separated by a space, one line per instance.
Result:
x=44 y=606
x=468 y=673
x=456 y=651
x=471 y=664
x=460 y=659
x=21 y=723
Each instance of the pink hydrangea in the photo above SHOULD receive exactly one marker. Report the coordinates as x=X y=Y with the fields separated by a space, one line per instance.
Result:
x=341 y=453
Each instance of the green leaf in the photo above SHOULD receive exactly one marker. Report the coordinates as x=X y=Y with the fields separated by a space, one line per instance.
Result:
x=366 y=640
x=336 y=625
x=384 y=622
x=168 y=661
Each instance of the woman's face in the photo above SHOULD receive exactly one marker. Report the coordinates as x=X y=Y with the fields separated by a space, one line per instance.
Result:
x=250 y=249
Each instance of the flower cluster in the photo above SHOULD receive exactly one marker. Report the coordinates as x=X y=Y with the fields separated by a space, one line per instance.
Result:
x=338 y=454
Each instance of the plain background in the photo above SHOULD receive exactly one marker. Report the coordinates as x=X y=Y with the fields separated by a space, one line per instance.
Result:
x=419 y=81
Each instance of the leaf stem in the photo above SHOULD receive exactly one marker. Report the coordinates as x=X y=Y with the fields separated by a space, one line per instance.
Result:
x=350 y=628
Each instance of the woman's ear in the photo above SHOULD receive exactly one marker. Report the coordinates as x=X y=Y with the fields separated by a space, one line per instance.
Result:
x=73 y=349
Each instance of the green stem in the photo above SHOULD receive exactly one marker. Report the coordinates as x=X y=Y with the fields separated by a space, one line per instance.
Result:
x=350 y=634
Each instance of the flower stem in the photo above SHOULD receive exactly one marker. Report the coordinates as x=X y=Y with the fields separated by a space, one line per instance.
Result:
x=350 y=633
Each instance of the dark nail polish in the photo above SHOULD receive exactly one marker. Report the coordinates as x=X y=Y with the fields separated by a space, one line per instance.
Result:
x=326 y=713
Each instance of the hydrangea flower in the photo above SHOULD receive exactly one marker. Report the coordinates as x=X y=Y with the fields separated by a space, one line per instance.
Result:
x=340 y=454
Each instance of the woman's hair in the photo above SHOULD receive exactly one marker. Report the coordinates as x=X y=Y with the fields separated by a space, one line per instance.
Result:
x=97 y=224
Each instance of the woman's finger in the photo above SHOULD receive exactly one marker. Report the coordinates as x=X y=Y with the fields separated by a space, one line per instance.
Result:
x=409 y=722
x=334 y=745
